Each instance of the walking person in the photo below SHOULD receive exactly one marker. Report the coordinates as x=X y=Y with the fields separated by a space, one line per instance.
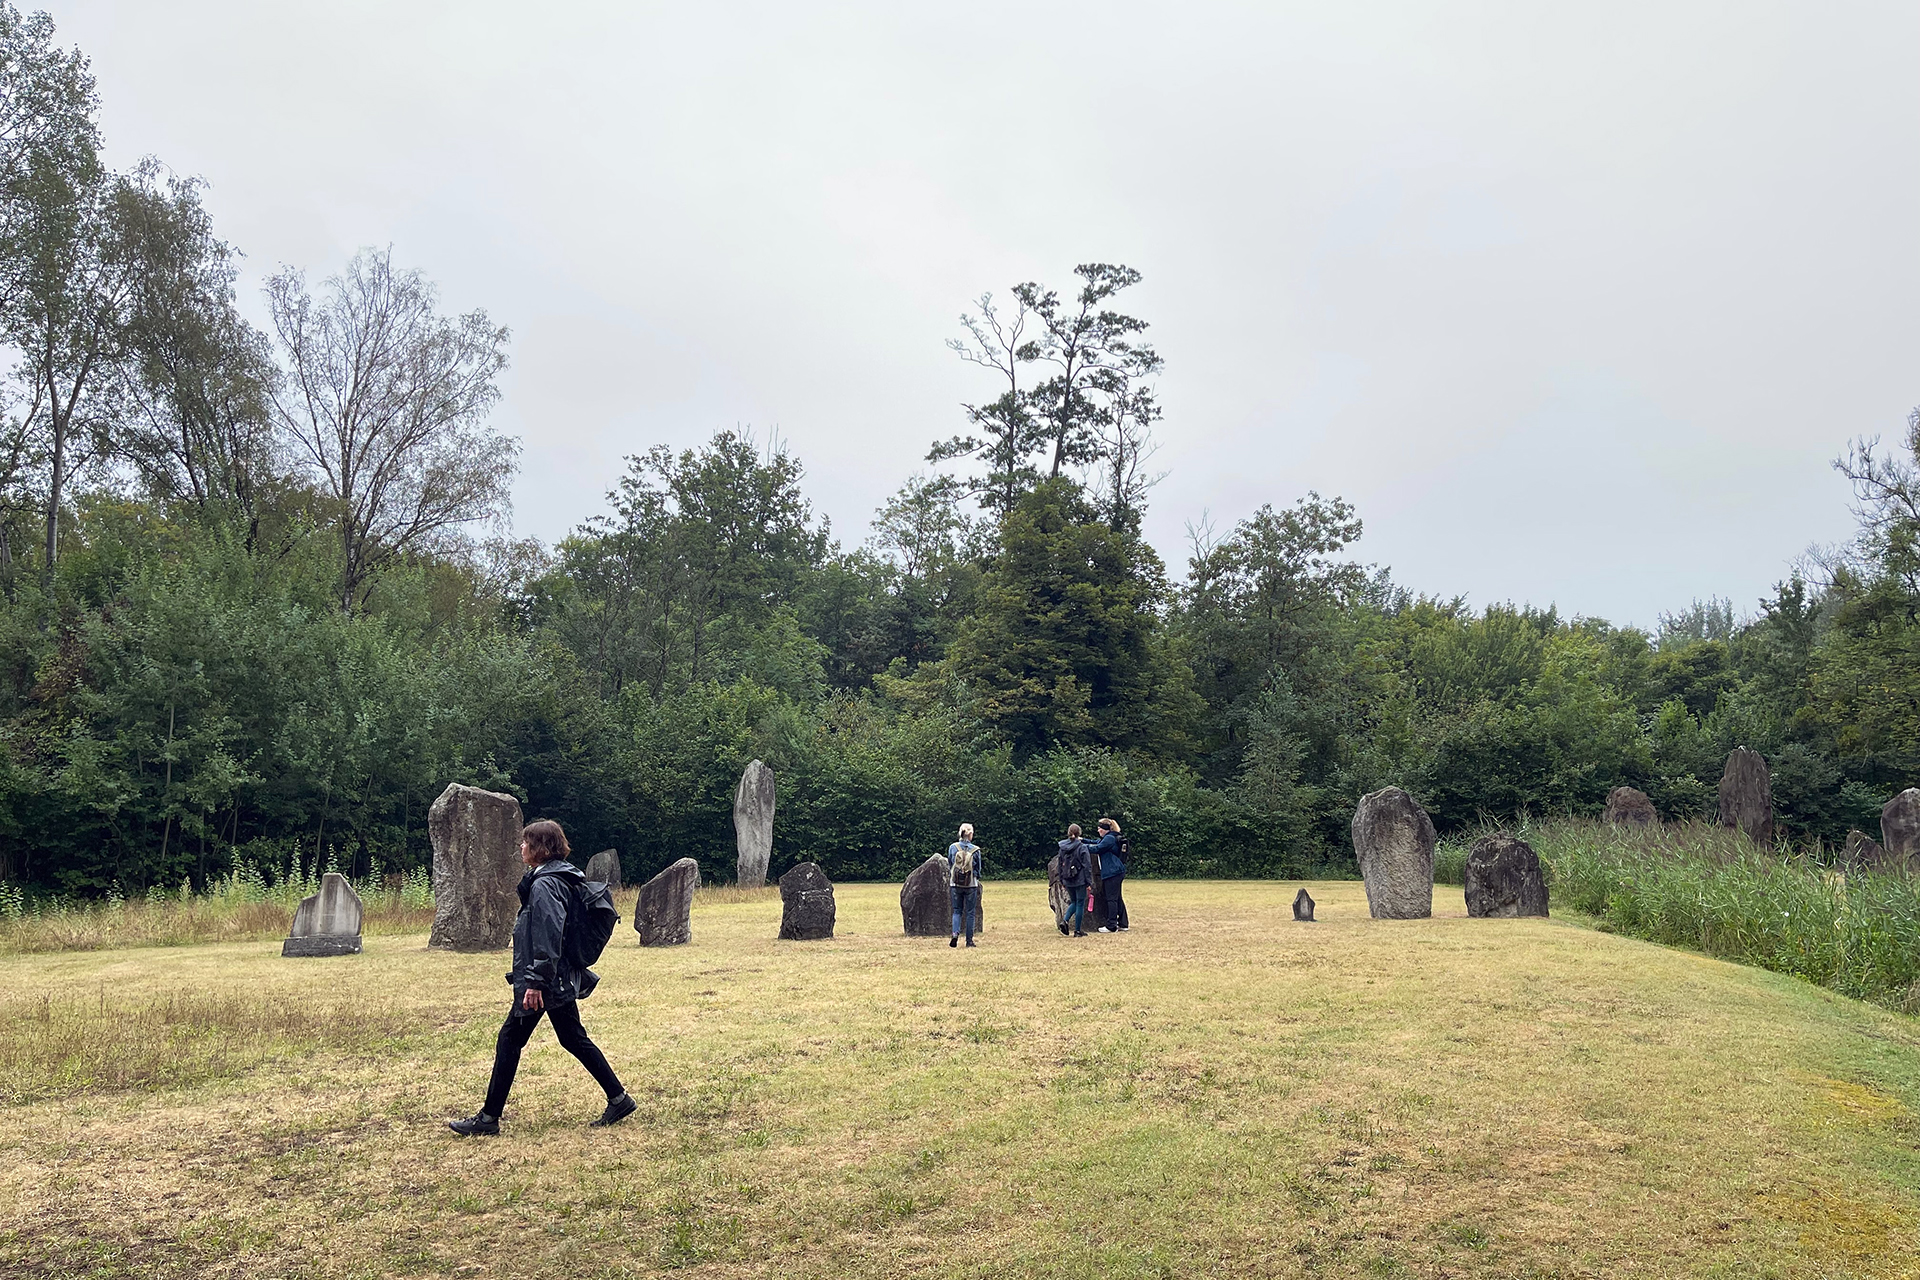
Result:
x=544 y=981
x=963 y=883
x=1076 y=877
x=1112 y=851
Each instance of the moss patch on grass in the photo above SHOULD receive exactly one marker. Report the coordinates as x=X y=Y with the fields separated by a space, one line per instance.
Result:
x=1219 y=1091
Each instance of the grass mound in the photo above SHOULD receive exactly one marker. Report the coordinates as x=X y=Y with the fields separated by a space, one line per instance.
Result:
x=1220 y=1091
x=1694 y=885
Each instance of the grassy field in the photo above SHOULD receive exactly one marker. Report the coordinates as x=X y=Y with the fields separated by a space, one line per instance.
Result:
x=1219 y=1091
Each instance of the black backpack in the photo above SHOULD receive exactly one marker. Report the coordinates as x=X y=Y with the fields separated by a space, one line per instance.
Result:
x=1126 y=853
x=590 y=922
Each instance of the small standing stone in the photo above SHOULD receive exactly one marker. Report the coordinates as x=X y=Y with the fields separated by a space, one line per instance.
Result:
x=1746 y=795
x=1630 y=807
x=604 y=866
x=753 y=806
x=326 y=923
x=1394 y=838
x=1900 y=828
x=476 y=868
x=806 y=904
x=1862 y=853
x=1504 y=879
x=663 y=914
x=925 y=909
x=1303 y=905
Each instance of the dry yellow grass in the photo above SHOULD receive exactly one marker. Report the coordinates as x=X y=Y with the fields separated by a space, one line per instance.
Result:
x=1219 y=1091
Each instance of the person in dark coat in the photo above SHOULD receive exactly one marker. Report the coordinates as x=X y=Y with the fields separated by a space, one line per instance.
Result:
x=1110 y=849
x=543 y=982
x=1076 y=874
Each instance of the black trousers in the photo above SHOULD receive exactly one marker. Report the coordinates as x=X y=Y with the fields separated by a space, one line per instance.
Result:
x=1116 y=905
x=518 y=1029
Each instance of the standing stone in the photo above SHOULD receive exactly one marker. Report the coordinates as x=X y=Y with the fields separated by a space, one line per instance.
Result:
x=1900 y=828
x=925 y=909
x=1862 y=853
x=1630 y=807
x=1503 y=878
x=663 y=915
x=1057 y=895
x=1303 y=905
x=753 y=824
x=476 y=867
x=604 y=866
x=1393 y=838
x=806 y=904
x=326 y=923
x=1746 y=795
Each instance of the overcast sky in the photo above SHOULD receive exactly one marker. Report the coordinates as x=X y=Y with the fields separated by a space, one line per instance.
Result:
x=1575 y=303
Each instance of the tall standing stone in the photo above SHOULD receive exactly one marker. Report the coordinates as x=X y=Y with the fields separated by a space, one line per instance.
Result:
x=1746 y=795
x=806 y=904
x=1393 y=838
x=604 y=866
x=1057 y=895
x=1503 y=878
x=1900 y=829
x=1630 y=807
x=476 y=867
x=753 y=824
x=663 y=915
x=1303 y=906
x=925 y=909
x=326 y=923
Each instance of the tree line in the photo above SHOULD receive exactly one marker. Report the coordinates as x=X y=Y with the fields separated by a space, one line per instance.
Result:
x=260 y=601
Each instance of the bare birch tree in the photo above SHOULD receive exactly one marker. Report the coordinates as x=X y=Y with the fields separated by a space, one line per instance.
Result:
x=387 y=401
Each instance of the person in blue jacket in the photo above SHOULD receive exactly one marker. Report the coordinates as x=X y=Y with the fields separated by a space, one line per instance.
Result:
x=963 y=883
x=1110 y=851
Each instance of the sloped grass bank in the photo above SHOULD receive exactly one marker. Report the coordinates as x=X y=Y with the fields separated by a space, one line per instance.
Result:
x=1219 y=1091
x=1699 y=886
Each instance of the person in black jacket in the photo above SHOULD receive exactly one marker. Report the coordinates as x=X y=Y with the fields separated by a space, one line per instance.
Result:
x=543 y=982
x=1076 y=878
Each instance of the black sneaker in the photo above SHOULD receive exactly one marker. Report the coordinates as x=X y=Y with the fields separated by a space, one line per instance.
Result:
x=1063 y=928
x=954 y=941
x=1079 y=933
x=618 y=1109
x=969 y=941
x=476 y=1124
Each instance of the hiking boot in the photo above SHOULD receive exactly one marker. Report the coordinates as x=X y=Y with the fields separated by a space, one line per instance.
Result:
x=618 y=1109
x=476 y=1124
x=954 y=941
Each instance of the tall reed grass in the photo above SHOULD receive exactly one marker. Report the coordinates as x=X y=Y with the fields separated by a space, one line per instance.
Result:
x=250 y=903
x=1701 y=886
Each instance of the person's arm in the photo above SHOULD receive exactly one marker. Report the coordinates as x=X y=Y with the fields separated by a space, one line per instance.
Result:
x=546 y=934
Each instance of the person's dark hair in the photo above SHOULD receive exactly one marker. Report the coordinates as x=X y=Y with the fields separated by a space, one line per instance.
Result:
x=1073 y=831
x=545 y=836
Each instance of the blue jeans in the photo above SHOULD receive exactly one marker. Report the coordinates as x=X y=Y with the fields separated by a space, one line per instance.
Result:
x=1076 y=913
x=966 y=907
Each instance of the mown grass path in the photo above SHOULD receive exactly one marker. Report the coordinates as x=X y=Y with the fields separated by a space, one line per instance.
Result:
x=1218 y=1092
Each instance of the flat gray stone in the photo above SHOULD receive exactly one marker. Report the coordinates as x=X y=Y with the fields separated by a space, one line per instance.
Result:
x=1630 y=807
x=925 y=909
x=806 y=904
x=1746 y=795
x=663 y=915
x=1303 y=906
x=753 y=808
x=335 y=909
x=1503 y=878
x=476 y=868
x=1900 y=828
x=1862 y=853
x=322 y=944
x=604 y=866
x=1393 y=838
